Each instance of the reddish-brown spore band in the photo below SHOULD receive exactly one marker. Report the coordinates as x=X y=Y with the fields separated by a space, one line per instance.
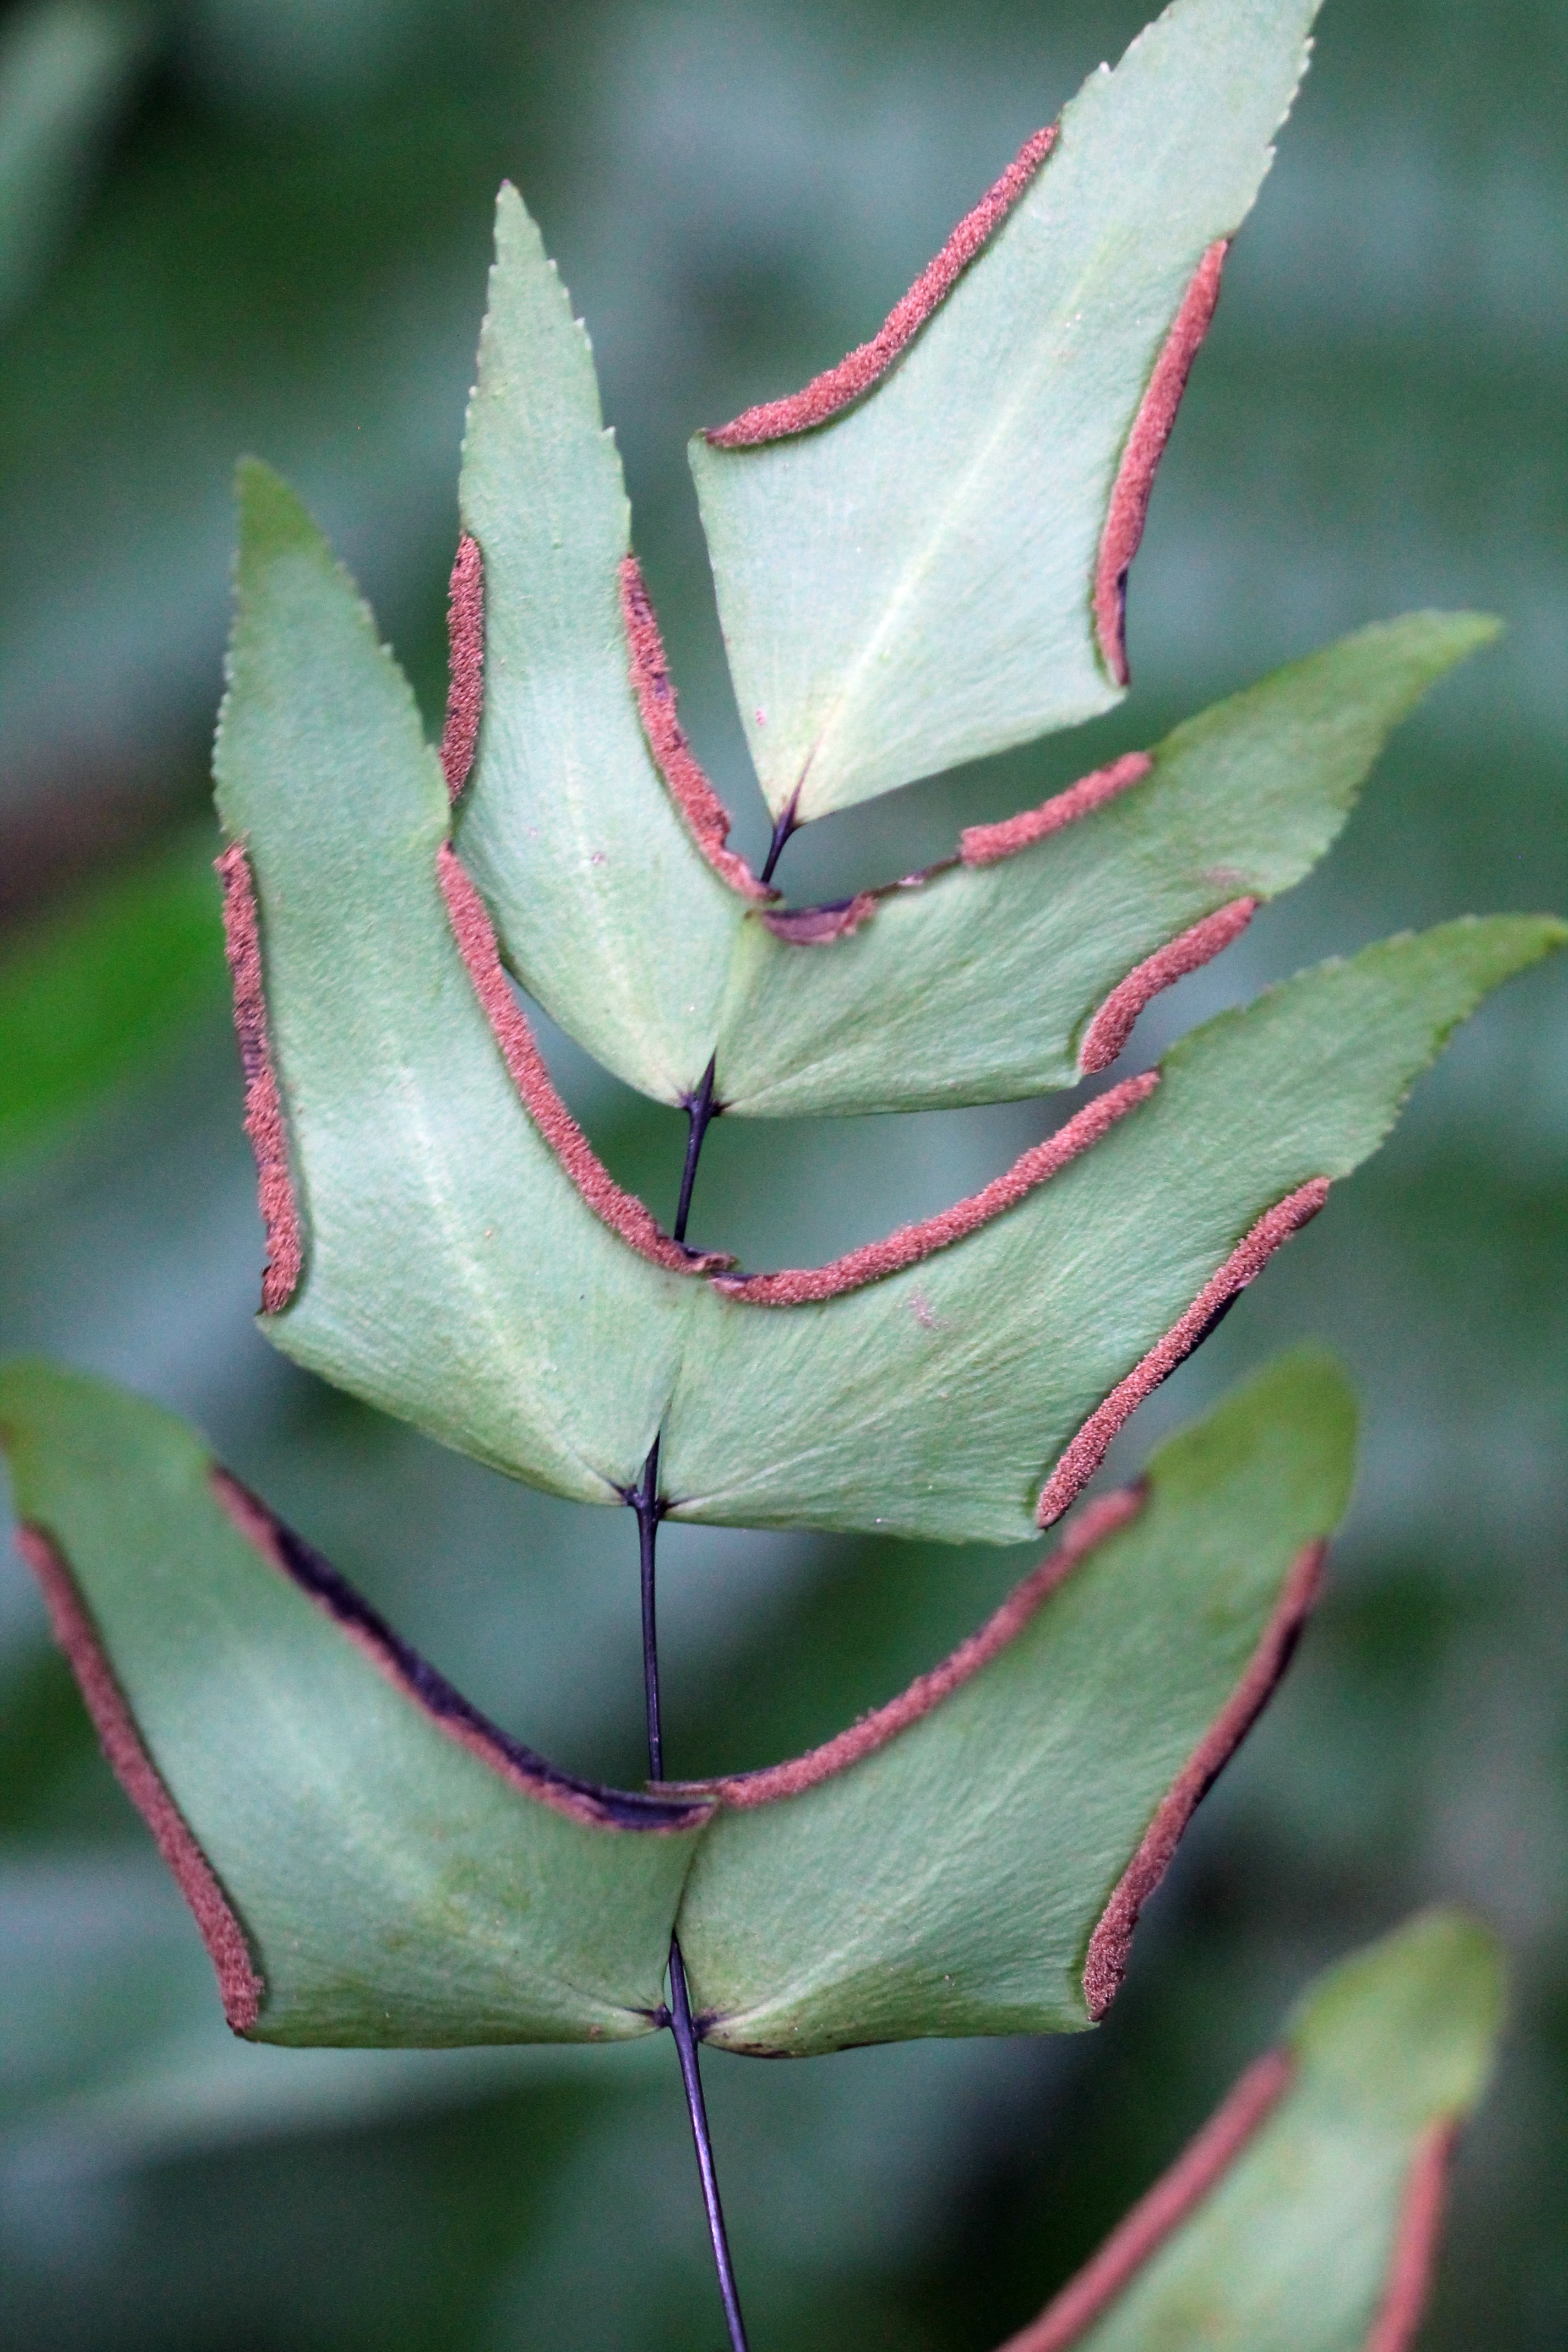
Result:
x=1100 y=1520
x=1088 y=1450
x=466 y=675
x=1416 y=2245
x=827 y=394
x=818 y=927
x=707 y=818
x=1196 y=2173
x=988 y=845
x=1129 y=508
x=264 y=1122
x=806 y=1286
x=621 y=1211
x=240 y=1985
x=1105 y=1964
x=414 y=1678
x=1113 y=1024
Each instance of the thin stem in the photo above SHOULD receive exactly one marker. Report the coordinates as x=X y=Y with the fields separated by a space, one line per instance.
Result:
x=650 y=1511
x=700 y=1112
x=782 y=830
x=646 y=1500
x=684 y=2035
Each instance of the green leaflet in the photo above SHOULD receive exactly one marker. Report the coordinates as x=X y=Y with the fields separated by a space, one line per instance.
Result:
x=373 y=1854
x=465 y=1263
x=373 y=1863
x=980 y=984
x=1305 y=2215
x=453 y=1273
x=911 y=584
x=933 y=1401
x=949 y=1881
x=89 y=991
x=606 y=908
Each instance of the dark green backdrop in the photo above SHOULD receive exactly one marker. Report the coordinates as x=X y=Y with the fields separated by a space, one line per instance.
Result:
x=278 y=243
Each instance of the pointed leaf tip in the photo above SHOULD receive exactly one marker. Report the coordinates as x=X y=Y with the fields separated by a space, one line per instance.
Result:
x=1307 y=1395
x=915 y=580
x=272 y=515
x=585 y=820
x=1408 y=2026
x=371 y=1863
x=980 y=1847
x=1089 y=1288
x=1304 y=2216
x=1025 y=962
x=463 y=1250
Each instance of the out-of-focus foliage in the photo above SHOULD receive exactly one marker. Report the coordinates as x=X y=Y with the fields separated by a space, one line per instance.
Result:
x=94 y=988
x=287 y=252
x=65 y=70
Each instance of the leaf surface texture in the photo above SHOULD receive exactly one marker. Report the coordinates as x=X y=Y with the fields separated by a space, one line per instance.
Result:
x=607 y=910
x=911 y=584
x=454 y=1275
x=467 y=1263
x=397 y=1872
x=979 y=982
x=935 y=1401
x=373 y=1863
x=1304 y=2218
x=949 y=1879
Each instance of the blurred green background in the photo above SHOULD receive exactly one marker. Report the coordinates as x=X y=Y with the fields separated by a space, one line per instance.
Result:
x=263 y=225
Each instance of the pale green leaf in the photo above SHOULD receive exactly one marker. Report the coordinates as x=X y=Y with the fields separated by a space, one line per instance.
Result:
x=606 y=908
x=395 y=1872
x=909 y=584
x=453 y=1273
x=949 y=1881
x=1304 y=2217
x=979 y=982
x=371 y=1863
x=93 y=989
x=933 y=1401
